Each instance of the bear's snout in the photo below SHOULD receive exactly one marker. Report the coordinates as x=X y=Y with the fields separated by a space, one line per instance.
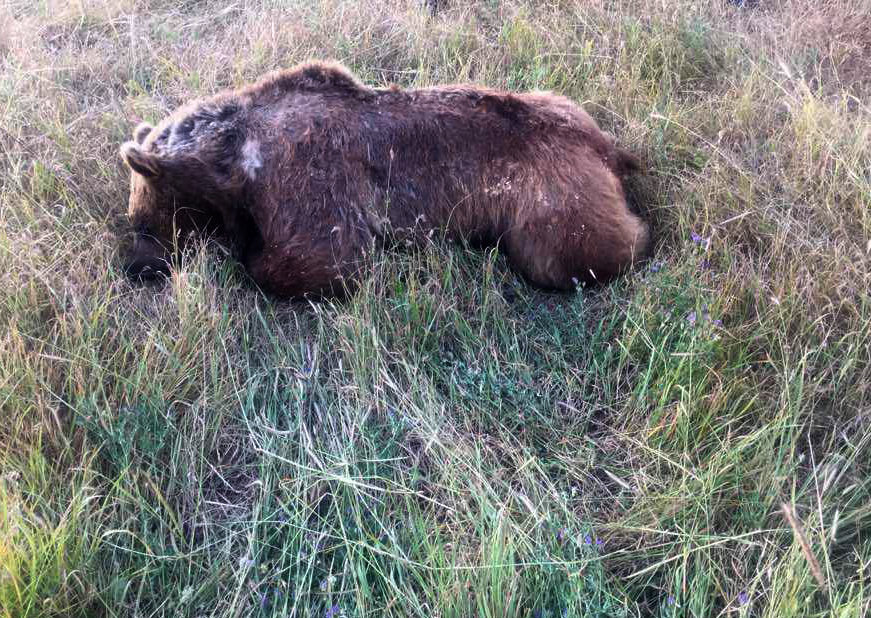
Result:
x=146 y=269
x=147 y=261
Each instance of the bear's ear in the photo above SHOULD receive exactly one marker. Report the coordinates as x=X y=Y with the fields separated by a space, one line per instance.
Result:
x=146 y=164
x=141 y=132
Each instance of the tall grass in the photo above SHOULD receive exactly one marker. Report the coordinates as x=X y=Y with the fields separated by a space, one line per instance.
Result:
x=448 y=441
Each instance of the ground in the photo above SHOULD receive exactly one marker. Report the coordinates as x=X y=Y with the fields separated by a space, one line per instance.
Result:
x=690 y=441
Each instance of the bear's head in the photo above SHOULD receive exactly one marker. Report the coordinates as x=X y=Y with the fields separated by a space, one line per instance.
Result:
x=186 y=172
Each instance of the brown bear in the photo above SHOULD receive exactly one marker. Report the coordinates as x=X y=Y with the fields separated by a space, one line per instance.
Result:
x=308 y=169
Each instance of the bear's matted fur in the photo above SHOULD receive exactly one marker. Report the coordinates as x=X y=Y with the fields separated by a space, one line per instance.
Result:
x=308 y=169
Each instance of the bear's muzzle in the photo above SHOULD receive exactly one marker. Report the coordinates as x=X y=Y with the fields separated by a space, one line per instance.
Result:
x=147 y=261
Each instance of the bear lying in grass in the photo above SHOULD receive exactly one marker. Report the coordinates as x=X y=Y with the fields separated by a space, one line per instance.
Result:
x=308 y=170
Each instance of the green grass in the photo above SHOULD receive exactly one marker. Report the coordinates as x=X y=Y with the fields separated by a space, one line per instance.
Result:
x=448 y=441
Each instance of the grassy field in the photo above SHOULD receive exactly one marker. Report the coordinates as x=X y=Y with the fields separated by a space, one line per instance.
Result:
x=693 y=440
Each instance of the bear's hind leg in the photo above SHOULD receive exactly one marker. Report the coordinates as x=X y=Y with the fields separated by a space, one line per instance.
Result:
x=561 y=256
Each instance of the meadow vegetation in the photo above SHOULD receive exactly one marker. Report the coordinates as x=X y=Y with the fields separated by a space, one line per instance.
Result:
x=692 y=440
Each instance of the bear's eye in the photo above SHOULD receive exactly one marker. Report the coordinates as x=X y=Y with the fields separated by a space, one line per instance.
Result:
x=185 y=126
x=226 y=111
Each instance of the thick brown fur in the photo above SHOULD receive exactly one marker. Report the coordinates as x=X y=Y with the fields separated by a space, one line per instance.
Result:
x=308 y=170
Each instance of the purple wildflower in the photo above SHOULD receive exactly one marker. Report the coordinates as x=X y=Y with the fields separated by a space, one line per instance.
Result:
x=599 y=542
x=701 y=241
x=655 y=267
x=333 y=611
x=743 y=597
x=691 y=318
x=670 y=599
x=264 y=600
x=561 y=534
x=588 y=540
x=717 y=322
x=705 y=265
